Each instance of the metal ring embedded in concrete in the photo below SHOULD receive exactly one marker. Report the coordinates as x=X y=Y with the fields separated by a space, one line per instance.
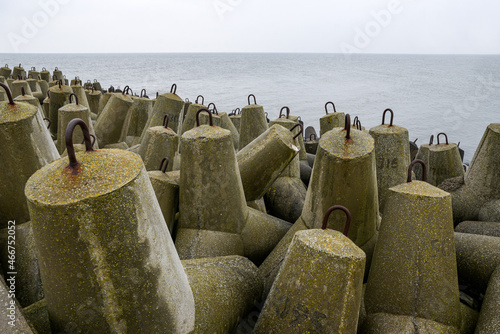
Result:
x=173 y=89
x=9 y=94
x=93 y=140
x=214 y=109
x=71 y=100
x=50 y=122
x=392 y=116
x=237 y=111
x=254 y=99
x=73 y=163
x=347 y=213
x=442 y=133
x=162 y=167
x=56 y=69
x=23 y=92
x=311 y=136
x=431 y=140
x=198 y=117
x=347 y=126
x=202 y=99
x=300 y=132
x=358 y=125
x=424 y=170
x=143 y=93
x=326 y=106
x=165 y=121
x=60 y=83
x=287 y=112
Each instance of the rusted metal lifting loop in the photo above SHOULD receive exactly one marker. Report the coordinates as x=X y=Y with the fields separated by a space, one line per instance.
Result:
x=6 y=65
x=300 y=132
x=202 y=99
x=9 y=94
x=60 y=83
x=56 y=69
x=311 y=137
x=214 y=109
x=143 y=93
x=23 y=93
x=76 y=98
x=209 y=115
x=111 y=89
x=431 y=140
x=326 y=106
x=157 y=94
x=424 y=170
x=48 y=120
x=347 y=213
x=33 y=68
x=95 y=80
x=355 y=121
x=93 y=140
x=44 y=69
x=415 y=141
x=73 y=163
x=186 y=100
x=164 y=164
x=445 y=136
x=30 y=76
x=254 y=99
x=358 y=125
x=237 y=111
x=392 y=116
x=347 y=126
x=173 y=89
x=287 y=112
x=19 y=77
x=166 y=119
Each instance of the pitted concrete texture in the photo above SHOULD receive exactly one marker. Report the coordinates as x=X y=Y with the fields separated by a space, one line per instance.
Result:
x=224 y=289
x=285 y=198
x=158 y=143
x=38 y=317
x=491 y=229
x=107 y=261
x=167 y=104
x=59 y=96
x=13 y=320
x=444 y=163
x=318 y=288
x=477 y=258
x=65 y=116
x=110 y=126
x=140 y=112
x=253 y=124
x=330 y=121
x=190 y=119
x=417 y=226
x=166 y=187
x=489 y=317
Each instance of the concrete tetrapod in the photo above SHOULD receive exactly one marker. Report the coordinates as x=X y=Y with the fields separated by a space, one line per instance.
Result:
x=212 y=204
x=31 y=100
x=224 y=289
x=94 y=98
x=110 y=126
x=416 y=290
x=393 y=156
x=5 y=71
x=318 y=288
x=19 y=84
x=489 y=317
x=104 y=101
x=263 y=160
x=235 y=117
x=13 y=319
x=68 y=113
x=107 y=261
x=59 y=96
x=26 y=147
x=190 y=119
x=491 y=229
x=227 y=124
x=45 y=75
x=57 y=74
x=253 y=122
x=166 y=187
x=167 y=104
x=296 y=120
x=140 y=112
x=444 y=162
x=344 y=172
x=311 y=143
x=18 y=71
x=330 y=121
x=482 y=180
x=423 y=154
x=158 y=142
x=79 y=91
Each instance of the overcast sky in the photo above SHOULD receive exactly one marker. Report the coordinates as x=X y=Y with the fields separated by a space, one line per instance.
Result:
x=364 y=26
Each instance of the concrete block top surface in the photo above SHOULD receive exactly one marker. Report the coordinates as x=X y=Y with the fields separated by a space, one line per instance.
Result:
x=419 y=188
x=100 y=172
x=388 y=130
x=172 y=96
x=12 y=114
x=73 y=107
x=206 y=132
x=62 y=89
x=330 y=242
x=335 y=143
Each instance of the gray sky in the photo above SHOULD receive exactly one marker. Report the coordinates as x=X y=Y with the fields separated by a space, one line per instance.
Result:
x=364 y=26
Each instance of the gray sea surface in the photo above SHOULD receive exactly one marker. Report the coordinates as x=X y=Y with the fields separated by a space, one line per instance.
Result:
x=455 y=94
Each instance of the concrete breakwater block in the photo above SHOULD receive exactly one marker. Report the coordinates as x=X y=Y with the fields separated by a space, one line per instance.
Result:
x=414 y=264
x=330 y=120
x=157 y=143
x=58 y=97
x=13 y=319
x=110 y=126
x=489 y=317
x=477 y=258
x=491 y=229
x=107 y=261
x=318 y=288
x=224 y=290
x=253 y=122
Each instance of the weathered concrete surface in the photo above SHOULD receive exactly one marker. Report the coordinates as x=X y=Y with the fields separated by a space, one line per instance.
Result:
x=190 y=119
x=489 y=317
x=491 y=229
x=17 y=85
x=416 y=247
x=28 y=282
x=330 y=121
x=9 y=307
x=490 y=211
x=318 y=288
x=212 y=203
x=26 y=147
x=236 y=119
x=94 y=98
x=227 y=124
x=261 y=234
x=37 y=316
x=393 y=157
x=140 y=112
x=103 y=102
x=110 y=127
x=166 y=187
x=59 y=96
x=158 y=142
x=224 y=289
x=285 y=198
x=253 y=124
x=263 y=160
x=66 y=114
x=477 y=258
x=107 y=261
x=167 y=104
x=258 y=204
x=305 y=172
x=5 y=71
x=444 y=163
x=79 y=91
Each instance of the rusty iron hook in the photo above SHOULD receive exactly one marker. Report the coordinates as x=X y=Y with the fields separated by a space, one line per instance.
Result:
x=287 y=112
x=445 y=136
x=165 y=162
x=326 y=106
x=424 y=170
x=300 y=132
x=431 y=140
x=76 y=98
x=214 y=109
x=73 y=163
x=48 y=120
x=143 y=93
x=347 y=126
x=311 y=137
x=166 y=119
x=347 y=213
x=23 y=92
x=198 y=117
x=358 y=125
x=254 y=99
x=93 y=140
x=9 y=94
x=392 y=116
x=173 y=89
x=202 y=99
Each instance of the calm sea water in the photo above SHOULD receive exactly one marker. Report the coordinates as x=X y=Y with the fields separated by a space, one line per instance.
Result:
x=458 y=95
